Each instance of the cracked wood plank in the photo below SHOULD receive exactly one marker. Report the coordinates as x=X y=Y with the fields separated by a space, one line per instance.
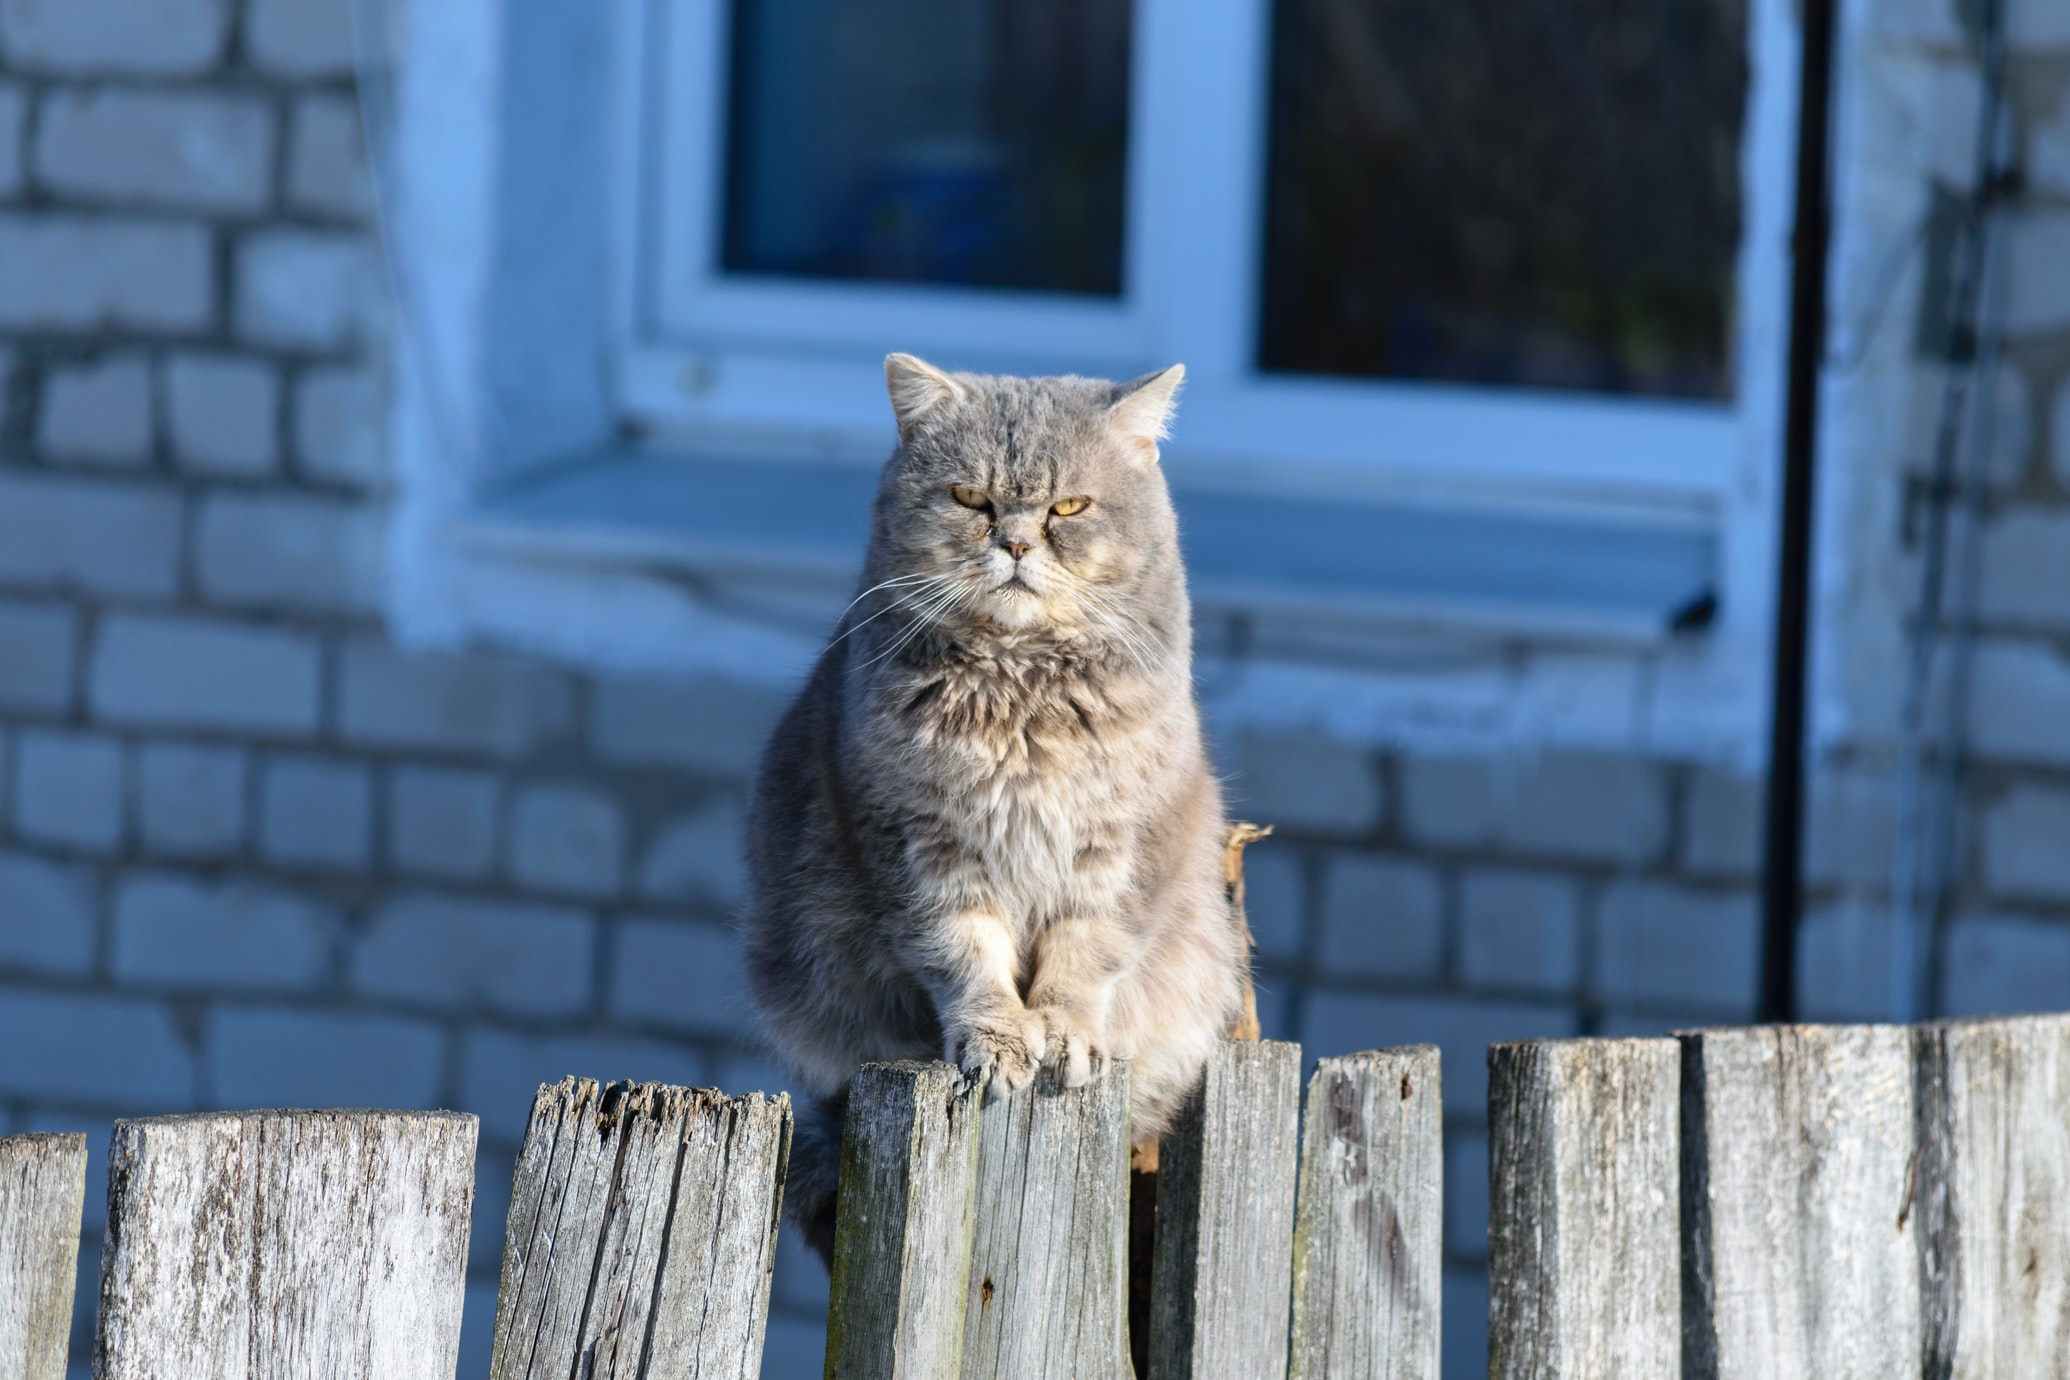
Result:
x=1048 y=1284
x=641 y=1234
x=1585 y=1274
x=1225 y=1219
x=1800 y=1253
x=902 y=1243
x=250 y=1245
x=1368 y=1224
x=42 y=1193
x=1993 y=1202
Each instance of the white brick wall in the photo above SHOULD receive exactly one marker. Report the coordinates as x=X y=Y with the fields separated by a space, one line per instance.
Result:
x=337 y=428
x=182 y=149
x=1382 y=917
x=569 y=840
x=84 y=274
x=316 y=290
x=68 y=790
x=99 y=414
x=327 y=173
x=38 y=653
x=190 y=799
x=290 y=551
x=205 y=673
x=443 y=822
x=460 y=954
x=464 y=704
x=52 y=907
x=222 y=413
x=82 y=536
x=301 y=38
x=14 y=109
x=158 y=37
x=181 y=934
x=697 y=857
x=315 y=813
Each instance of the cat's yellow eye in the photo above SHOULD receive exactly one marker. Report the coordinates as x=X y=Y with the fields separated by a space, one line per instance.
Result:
x=1065 y=507
x=969 y=497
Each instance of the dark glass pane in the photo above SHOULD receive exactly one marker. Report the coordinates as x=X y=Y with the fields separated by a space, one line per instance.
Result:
x=1543 y=194
x=942 y=141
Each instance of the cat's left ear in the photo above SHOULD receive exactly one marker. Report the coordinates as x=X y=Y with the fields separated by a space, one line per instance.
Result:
x=1142 y=408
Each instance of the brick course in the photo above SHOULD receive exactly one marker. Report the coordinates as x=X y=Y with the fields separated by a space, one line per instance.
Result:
x=190 y=799
x=39 y=645
x=180 y=149
x=195 y=673
x=87 y=536
x=100 y=414
x=99 y=273
x=68 y=790
x=178 y=932
x=221 y=413
x=457 y=953
x=158 y=37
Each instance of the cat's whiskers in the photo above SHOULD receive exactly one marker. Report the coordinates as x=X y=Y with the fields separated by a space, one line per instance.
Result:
x=926 y=584
x=1107 y=608
x=936 y=606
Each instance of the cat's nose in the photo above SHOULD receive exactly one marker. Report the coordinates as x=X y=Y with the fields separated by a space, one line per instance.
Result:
x=1016 y=549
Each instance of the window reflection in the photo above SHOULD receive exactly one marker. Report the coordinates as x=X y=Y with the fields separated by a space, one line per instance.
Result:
x=1540 y=194
x=975 y=142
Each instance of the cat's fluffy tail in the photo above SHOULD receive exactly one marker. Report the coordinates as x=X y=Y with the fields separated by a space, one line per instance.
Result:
x=815 y=1174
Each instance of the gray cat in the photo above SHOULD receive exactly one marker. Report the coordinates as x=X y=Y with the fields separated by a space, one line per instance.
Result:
x=987 y=831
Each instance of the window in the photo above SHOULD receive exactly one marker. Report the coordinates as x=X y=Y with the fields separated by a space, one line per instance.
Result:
x=1449 y=402
x=1439 y=237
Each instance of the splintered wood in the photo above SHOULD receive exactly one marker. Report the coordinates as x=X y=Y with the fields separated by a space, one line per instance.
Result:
x=1801 y=1247
x=1368 y=1230
x=902 y=1244
x=247 y=1246
x=1048 y=1270
x=42 y=1190
x=642 y=1233
x=1225 y=1219
x=1584 y=1232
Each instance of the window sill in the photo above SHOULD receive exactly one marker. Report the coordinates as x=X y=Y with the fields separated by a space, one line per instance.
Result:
x=1356 y=563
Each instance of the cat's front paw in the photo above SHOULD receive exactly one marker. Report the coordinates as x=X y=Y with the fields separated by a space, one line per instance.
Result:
x=1074 y=1048
x=1005 y=1052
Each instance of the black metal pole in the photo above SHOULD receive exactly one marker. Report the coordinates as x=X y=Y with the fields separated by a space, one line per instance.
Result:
x=1782 y=858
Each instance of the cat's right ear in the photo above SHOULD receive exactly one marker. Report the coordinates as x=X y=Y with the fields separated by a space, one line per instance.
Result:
x=917 y=389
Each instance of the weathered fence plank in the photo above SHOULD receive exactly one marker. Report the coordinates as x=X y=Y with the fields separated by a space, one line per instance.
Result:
x=42 y=1191
x=1800 y=1250
x=902 y=1243
x=1585 y=1271
x=641 y=1235
x=1368 y=1228
x=1225 y=1219
x=1993 y=1202
x=261 y=1244
x=1048 y=1271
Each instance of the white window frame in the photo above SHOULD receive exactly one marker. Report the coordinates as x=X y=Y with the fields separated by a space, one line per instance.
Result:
x=724 y=358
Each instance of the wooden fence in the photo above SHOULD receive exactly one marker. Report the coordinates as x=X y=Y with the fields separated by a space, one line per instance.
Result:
x=1828 y=1202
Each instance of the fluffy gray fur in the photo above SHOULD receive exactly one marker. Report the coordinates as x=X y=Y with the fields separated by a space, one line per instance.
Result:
x=986 y=830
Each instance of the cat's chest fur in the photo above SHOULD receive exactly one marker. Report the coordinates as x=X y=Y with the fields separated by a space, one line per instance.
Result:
x=1026 y=769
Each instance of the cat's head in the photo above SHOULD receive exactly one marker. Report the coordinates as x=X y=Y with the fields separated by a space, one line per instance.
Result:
x=1028 y=502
